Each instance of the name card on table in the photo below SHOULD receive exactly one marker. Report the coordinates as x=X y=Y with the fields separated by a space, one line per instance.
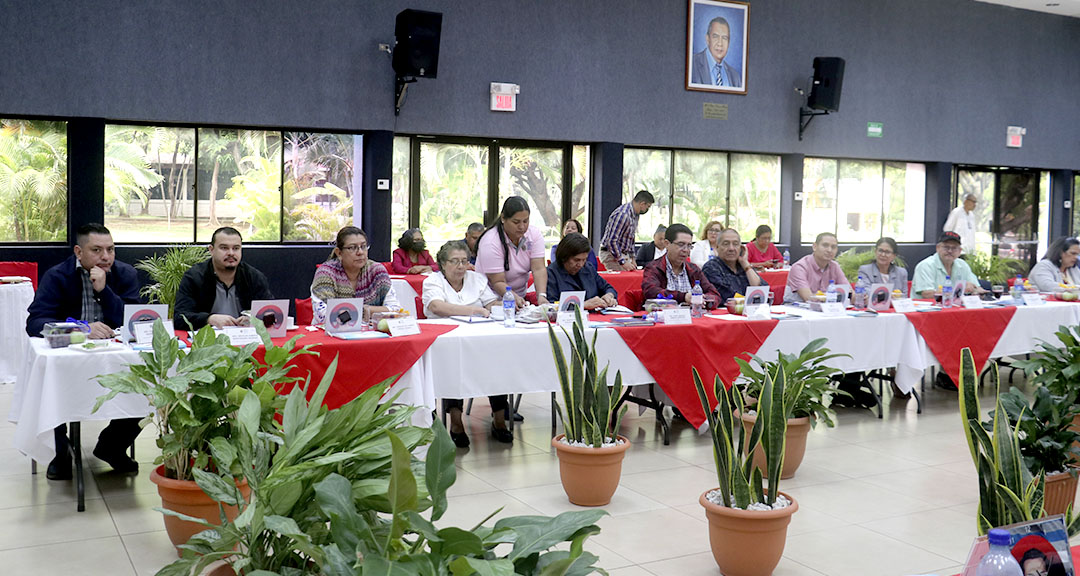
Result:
x=903 y=305
x=758 y=311
x=674 y=316
x=832 y=308
x=406 y=326
x=1033 y=299
x=972 y=302
x=241 y=335
x=566 y=319
x=144 y=331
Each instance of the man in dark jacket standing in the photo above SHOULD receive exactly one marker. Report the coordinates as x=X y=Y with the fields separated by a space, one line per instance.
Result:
x=91 y=286
x=217 y=290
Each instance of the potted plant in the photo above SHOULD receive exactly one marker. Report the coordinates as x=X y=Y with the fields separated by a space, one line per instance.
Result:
x=1008 y=491
x=748 y=519
x=809 y=383
x=590 y=451
x=167 y=270
x=1057 y=367
x=194 y=394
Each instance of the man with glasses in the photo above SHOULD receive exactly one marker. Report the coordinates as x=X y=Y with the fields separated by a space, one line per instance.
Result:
x=731 y=272
x=931 y=272
x=214 y=292
x=674 y=275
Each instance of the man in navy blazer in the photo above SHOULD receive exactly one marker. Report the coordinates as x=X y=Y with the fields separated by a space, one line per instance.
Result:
x=91 y=286
x=709 y=66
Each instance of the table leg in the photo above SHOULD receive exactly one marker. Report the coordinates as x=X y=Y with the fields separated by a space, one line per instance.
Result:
x=75 y=445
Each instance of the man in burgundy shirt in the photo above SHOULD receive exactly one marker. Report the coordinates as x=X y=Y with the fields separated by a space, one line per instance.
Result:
x=812 y=273
x=674 y=274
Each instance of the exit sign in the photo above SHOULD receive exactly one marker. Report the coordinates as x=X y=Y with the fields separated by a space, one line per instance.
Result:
x=504 y=97
x=874 y=129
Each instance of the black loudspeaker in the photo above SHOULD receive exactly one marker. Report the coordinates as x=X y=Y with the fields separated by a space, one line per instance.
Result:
x=416 y=50
x=828 y=80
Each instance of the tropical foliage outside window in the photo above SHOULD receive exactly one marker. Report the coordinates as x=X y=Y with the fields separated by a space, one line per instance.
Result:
x=320 y=183
x=1075 y=207
x=453 y=189
x=1012 y=197
x=399 y=206
x=982 y=185
x=148 y=183
x=33 y=181
x=863 y=200
x=239 y=183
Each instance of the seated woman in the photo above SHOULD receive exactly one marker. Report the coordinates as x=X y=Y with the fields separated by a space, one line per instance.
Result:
x=457 y=291
x=411 y=256
x=571 y=271
x=709 y=246
x=883 y=270
x=1058 y=267
x=350 y=274
x=761 y=252
x=572 y=226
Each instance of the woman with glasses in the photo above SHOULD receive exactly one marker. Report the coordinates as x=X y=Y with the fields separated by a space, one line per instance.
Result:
x=1058 y=267
x=709 y=246
x=572 y=271
x=884 y=269
x=411 y=256
x=761 y=252
x=350 y=274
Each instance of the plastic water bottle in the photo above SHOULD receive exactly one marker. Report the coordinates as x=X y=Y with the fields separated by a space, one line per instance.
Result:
x=830 y=292
x=697 y=301
x=787 y=258
x=1018 y=286
x=860 y=296
x=999 y=561
x=509 y=306
x=947 y=293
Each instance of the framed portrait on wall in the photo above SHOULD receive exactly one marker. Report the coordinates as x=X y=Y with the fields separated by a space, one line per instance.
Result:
x=716 y=45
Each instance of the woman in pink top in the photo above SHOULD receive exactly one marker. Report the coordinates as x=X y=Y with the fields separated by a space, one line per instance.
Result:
x=761 y=252
x=411 y=256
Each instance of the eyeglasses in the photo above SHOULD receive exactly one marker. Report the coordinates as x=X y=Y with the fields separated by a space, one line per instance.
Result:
x=950 y=248
x=713 y=231
x=682 y=245
x=458 y=262
x=730 y=244
x=884 y=252
x=354 y=248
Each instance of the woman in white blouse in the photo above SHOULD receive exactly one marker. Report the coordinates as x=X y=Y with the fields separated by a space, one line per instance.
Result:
x=707 y=248
x=457 y=291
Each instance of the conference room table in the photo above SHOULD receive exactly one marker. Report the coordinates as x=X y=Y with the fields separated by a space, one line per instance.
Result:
x=14 y=301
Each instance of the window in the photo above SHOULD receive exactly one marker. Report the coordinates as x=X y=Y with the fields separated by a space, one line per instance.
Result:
x=982 y=185
x=1075 y=206
x=239 y=183
x=33 y=181
x=399 y=195
x=863 y=200
x=453 y=189
x=320 y=184
x=1011 y=210
x=579 y=198
x=148 y=181
x=535 y=174
x=692 y=187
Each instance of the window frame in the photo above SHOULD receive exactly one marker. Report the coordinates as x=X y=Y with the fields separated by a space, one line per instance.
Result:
x=70 y=233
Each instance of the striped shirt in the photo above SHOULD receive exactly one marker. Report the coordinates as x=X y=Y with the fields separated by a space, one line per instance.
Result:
x=619 y=233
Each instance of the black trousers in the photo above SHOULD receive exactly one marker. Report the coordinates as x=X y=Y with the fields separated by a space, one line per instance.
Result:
x=116 y=437
x=498 y=403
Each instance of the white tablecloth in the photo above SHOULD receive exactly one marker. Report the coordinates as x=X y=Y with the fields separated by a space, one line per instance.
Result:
x=57 y=385
x=405 y=294
x=14 y=300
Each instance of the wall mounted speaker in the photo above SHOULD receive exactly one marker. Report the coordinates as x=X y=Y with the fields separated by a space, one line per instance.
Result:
x=416 y=48
x=828 y=80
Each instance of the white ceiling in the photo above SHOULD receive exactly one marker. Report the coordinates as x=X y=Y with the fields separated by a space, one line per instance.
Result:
x=1060 y=7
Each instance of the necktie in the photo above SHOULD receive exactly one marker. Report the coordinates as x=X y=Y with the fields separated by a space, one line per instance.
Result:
x=719 y=75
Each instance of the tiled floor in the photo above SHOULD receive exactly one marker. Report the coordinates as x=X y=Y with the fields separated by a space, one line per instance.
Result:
x=877 y=497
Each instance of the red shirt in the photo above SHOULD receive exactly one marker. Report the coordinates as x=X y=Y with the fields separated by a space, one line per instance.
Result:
x=755 y=255
x=400 y=262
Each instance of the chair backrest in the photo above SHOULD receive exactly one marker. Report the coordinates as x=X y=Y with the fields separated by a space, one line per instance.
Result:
x=389 y=267
x=28 y=269
x=600 y=266
x=304 y=314
x=420 y=309
x=633 y=299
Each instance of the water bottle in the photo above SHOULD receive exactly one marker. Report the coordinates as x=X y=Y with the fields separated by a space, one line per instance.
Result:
x=1018 y=286
x=860 y=297
x=999 y=560
x=787 y=258
x=697 y=301
x=830 y=292
x=509 y=306
x=947 y=293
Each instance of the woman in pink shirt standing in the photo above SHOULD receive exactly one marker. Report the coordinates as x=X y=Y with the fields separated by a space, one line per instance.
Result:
x=761 y=252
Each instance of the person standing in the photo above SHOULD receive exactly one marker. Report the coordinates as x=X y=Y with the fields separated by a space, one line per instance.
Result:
x=962 y=221
x=617 y=244
x=217 y=290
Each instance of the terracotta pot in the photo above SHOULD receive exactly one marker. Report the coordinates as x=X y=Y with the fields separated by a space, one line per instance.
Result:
x=185 y=497
x=794 y=446
x=590 y=475
x=1060 y=492
x=1075 y=428
x=747 y=542
x=222 y=570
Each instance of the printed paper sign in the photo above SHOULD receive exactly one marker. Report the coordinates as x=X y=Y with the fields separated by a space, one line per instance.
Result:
x=571 y=300
x=972 y=302
x=144 y=331
x=758 y=312
x=344 y=315
x=674 y=316
x=566 y=319
x=274 y=314
x=832 y=309
x=134 y=313
x=1033 y=299
x=405 y=326
x=903 y=305
x=756 y=295
x=241 y=335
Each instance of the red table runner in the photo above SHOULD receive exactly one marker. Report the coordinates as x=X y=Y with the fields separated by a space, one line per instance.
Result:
x=414 y=280
x=948 y=331
x=669 y=353
x=361 y=363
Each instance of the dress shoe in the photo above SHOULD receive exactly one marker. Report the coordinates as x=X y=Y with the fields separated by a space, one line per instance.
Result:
x=59 y=468
x=518 y=417
x=503 y=435
x=461 y=439
x=117 y=459
x=943 y=381
x=898 y=393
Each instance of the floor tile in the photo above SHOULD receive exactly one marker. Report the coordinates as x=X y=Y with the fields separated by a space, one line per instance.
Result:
x=676 y=487
x=96 y=557
x=856 y=461
x=550 y=499
x=54 y=523
x=149 y=551
x=943 y=532
x=857 y=551
x=856 y=501
x=653 y=535
x=35 y=489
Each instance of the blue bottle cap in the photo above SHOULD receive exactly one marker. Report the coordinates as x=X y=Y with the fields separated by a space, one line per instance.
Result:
x=999 y=537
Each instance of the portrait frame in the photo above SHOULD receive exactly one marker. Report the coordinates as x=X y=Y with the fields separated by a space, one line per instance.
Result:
x=1048 y=535
x=700 y=62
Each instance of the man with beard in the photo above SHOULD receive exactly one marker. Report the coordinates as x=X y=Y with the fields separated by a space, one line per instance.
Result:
x=217 y=290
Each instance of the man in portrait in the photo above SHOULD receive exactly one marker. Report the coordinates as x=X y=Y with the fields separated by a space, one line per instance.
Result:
x=709 y=66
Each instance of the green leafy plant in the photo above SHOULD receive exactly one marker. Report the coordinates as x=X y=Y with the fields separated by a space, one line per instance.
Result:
x=850 y=260
x=741 y=481
x=1047 y=443
x=1008 y=491
x=1057 y=367
x=195 y=393
x=590 y=405
x=809 y=383
x=167 y=270
x=993 y=268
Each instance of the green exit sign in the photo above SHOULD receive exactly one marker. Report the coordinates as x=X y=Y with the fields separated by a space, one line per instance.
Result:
x=874 y=129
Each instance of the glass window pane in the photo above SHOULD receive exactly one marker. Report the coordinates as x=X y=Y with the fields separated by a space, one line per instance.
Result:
x=905 y=201
x=700 y=193
x=981 y=184
x=819 y=197
x=579 y=201
x=858 y=201
x=645 y=169
x=535 y=174
x=33 y=181
x=148 y=173
x=1044 y=213
x=239 y=183
x=319 y=184
x=399 y=207
x=1017 y=197
x=453 y=189
x=755 y=194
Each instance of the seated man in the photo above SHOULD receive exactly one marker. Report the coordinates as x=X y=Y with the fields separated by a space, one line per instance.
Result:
x=931 y=272
x=571 y=271
x=732 y=272
x=812 y=273
x=674 y=274
x=653 y=250
x=217 y=290
x=91 y=286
